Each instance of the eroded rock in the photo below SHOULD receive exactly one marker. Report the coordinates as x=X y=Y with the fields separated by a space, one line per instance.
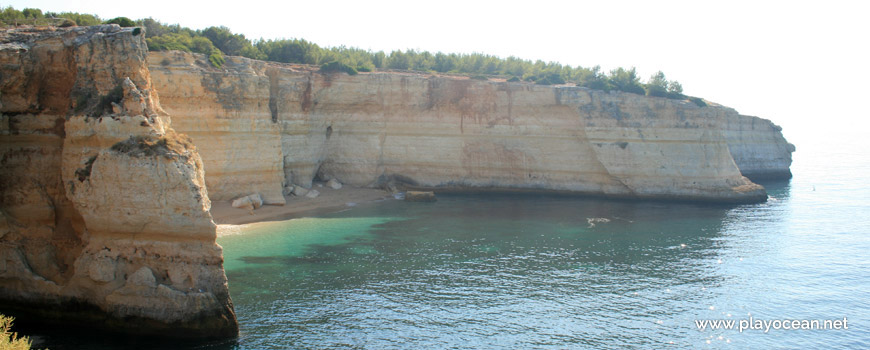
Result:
x=96 y=186
x=143 y=277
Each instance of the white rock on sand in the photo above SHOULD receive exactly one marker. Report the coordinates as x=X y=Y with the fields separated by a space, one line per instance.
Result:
x=334 y=184
x=256 y=200
x=312 y=194
x=243 y=203
x=250 y=202
x=300 y=191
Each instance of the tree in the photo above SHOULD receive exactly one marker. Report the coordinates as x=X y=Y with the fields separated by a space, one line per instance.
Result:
x=657 y=85
x=153 y=28
x=215 y=42
x=626 y=80
x=675 y=90
x=81 y=19
x=594 y=79
x=398 y=60
x=379 y=59
x=32 y=13
x=224 y=39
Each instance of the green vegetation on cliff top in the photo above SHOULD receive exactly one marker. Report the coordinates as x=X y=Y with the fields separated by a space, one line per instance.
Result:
x=215 y=42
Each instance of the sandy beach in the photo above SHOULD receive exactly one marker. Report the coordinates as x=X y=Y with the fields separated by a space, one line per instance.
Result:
x=329 y=200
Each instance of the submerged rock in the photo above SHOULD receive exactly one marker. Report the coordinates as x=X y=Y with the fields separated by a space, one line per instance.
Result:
x=420 y=196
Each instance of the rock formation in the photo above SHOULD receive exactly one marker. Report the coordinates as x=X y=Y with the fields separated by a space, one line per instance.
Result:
x=452 y=132
x=758 y=147
x=104 y=209
x=104 y=200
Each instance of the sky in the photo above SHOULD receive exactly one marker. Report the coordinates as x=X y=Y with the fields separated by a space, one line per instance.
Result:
x=801 y=64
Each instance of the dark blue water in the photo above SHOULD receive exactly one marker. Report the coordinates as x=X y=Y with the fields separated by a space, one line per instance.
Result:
x=561 y=272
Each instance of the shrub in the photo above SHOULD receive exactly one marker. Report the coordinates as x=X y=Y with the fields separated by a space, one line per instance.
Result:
x=336 y=66
x=116 y=95
x=479 y=77
x=216 y=58
x=657 y=86
x=122 y=21
x=698 y=101
x=10 y=340
x=513 y=79
x=549 y=79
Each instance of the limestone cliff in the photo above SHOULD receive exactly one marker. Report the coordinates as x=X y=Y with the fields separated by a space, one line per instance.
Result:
x=104 y=212
x=758 y=147
x=454 y=132
x=104 y=200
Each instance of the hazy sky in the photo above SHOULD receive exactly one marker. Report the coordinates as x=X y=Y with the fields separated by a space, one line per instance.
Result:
x=794 y=62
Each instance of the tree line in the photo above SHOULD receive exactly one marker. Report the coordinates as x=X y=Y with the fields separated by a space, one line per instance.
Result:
x=215 y=42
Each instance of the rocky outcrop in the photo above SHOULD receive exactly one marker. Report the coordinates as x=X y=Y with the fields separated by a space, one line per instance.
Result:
x=758 y=147
x=448 y=132
x=104 y=206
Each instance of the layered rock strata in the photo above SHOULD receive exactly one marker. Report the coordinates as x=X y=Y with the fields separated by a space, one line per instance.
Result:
x=758 y=147
x=449 y=132
x=104 y=212
x=104 y=207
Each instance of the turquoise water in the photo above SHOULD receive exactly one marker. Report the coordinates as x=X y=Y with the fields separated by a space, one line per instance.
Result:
x=500 y=271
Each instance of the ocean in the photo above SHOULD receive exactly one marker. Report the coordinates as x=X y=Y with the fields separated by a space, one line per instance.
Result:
x=543 y=271
x=533 y=271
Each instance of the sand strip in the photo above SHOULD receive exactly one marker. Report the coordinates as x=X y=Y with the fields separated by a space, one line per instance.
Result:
x=328 y=201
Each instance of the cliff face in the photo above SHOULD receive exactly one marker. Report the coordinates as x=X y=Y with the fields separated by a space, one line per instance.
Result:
x=758 y=147
x=104 y=201
x=104 y=213
x=449 y=132
x=226 y=113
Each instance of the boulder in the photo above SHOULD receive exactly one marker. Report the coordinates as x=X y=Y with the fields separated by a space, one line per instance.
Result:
x=288 y=190
x=143 y=277
x=300 y=191
x=334 y=184
x=256 y=200
x=420 y=196
x=243 y=203
x=102 y=270
x=250 y=202
x=312 y=194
